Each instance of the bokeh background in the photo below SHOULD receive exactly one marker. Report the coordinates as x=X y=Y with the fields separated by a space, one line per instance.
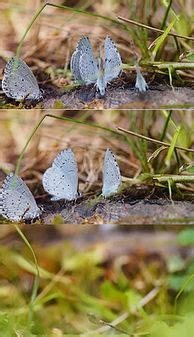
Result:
x=89 y=134
x=53 y=37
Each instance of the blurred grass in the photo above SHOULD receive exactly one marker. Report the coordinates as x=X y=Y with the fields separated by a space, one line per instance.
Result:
x=80 y=290
x=37 y=137
x=74 y=19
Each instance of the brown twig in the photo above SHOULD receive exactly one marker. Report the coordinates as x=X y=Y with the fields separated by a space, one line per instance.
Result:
x=154 y=140
x=154 y=29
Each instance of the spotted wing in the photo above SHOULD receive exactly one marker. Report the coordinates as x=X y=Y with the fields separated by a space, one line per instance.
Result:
x=112 y=60
x=16 y=200
x=19 y=82
x=61 y=179
x=111 y=174
x=83 y=46
x=87 y=63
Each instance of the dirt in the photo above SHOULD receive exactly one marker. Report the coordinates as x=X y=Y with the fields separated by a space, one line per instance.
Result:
x=120 y=94
x=107 y=211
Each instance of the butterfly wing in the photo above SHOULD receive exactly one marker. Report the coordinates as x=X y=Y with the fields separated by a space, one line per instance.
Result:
x=16 y=200
x=77 y=66
x=87 y=63
x=19 y=82
x=111 y=174
x=61 y=179
x=112 y=60
x=140 y=83
x=74 y=63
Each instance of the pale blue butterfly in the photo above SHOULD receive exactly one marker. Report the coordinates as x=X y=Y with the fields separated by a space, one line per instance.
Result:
x=19 y=82
x=111 y=174
x=85 y=68
x=140 y=83
x=16 y=201
x=61 y=179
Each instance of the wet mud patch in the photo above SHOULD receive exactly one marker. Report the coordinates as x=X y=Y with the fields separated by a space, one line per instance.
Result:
x=119 y=94
x=118 y=211
x=123 y=97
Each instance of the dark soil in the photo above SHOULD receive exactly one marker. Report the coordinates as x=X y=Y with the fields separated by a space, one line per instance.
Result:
x=119 y=94
x=146 y=211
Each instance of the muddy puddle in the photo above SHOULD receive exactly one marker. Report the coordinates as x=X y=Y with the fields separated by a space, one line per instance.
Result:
x=137 y=205
x=155 y=211
x=119 y=94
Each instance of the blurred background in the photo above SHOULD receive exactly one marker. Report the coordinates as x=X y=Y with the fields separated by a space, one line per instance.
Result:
x=96 y=280
x=89 y=134
x=53 y=37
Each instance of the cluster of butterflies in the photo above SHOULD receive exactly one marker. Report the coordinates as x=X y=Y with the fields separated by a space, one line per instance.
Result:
x=60 y=180
x=19 y=82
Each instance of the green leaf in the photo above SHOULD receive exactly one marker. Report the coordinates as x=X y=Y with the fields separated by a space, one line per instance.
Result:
x=190 y=57
x=190 y=169
x=186 y=237
x=172 y=147
x=160 y=40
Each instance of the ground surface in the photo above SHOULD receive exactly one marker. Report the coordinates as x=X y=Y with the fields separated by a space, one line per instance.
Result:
x=160 y=211
x=119 y=94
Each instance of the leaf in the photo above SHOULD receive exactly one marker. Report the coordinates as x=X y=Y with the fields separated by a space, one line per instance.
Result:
x=156 y=153
x=186 y=237
x=190 y=169
x=172 y=147
x=190 y=57
x=160 y=40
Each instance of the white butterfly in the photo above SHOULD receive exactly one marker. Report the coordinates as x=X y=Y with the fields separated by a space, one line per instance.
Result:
x=111 y=174
x=19 y=81
x=61 y=179
x=85 y=68
x=16 y=201
x=140 y=83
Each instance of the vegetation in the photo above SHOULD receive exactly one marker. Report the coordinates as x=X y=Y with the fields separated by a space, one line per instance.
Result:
x=64 y=280
x=85 y=288
x=89 y=134
x=47 y=39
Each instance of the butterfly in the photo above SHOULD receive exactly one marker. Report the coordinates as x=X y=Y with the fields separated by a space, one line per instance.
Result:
x=86 y=69
x=140 y=83
x=19 y=82
x=61 y=179
x=16 y=201
x=111 y=174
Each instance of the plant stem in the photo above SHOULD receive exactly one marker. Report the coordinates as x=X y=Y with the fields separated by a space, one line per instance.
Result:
x=154 y=140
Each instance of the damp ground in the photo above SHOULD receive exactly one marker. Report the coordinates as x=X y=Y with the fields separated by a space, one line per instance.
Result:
x=127 y=212
x=120 y=94
x=136 y=206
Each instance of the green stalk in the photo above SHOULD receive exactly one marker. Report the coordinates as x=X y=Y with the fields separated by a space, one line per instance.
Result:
x=78 y=11
x=37 y=276
x=166 y=126
x=190 y=278
x=166 y=15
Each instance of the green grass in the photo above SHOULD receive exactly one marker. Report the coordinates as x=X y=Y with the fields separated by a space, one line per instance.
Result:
x=172 y=45
x=79 y=293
